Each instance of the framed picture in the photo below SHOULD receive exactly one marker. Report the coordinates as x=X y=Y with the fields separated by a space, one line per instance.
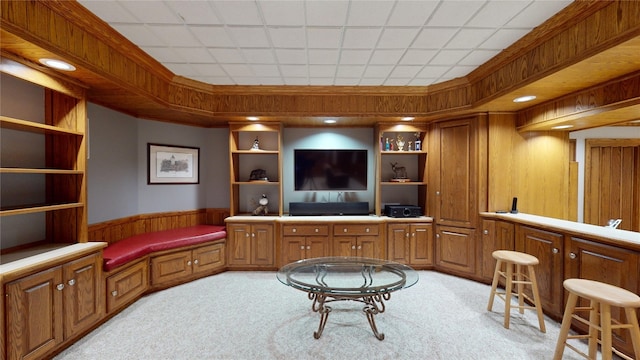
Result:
x=169 y=164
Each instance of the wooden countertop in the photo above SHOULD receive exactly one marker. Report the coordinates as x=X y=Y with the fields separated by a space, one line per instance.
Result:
x=629 y=239
x=325 y=219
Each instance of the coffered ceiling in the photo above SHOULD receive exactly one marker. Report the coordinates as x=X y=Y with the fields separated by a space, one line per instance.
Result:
x=323 y=42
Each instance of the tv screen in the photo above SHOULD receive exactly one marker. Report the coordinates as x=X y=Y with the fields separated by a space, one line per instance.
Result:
x=330 y=170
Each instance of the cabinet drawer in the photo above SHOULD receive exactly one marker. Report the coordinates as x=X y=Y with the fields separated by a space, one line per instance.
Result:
x=208 y=258
x=305 y=230
x=170 y=267
x=127 y=285
x=355 y=229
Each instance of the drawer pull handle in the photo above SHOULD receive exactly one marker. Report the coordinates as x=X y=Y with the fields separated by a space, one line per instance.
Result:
x=309 y=247
x=114 y=293
x=59 y=287
x=317 y=229
x=301 y=247
x=195 y=261
x=572 y=256
x=366 y=230
x=344 y=230
x=486 y=232
x=555 y=250
x=294 y=230
x=189 y=263
x=353 y=247
x=71 y=282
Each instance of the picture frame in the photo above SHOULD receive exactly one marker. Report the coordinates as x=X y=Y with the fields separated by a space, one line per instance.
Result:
x=172 y=164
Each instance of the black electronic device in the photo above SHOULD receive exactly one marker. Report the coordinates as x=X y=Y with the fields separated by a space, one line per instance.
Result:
x=514 y=206
x=402 y=211
x=328 y=208
x=330 y=169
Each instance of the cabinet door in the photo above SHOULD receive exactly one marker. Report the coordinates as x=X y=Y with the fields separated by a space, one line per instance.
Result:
x=368 y=246
x=262 y=244
x=171 y=267
x=398 y=242
x=455 y=249
x=33 y=303
x=547 y=247
x=615 y=266
x=293 y=249
x=208 y=258
x=421 y=244
x=344 y=246
x=239 y=244
x=317 y=246
x=127 y=284
x=496 y=235
x=84 y=302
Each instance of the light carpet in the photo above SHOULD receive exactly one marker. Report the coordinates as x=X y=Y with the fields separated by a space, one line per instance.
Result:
x=251 y=315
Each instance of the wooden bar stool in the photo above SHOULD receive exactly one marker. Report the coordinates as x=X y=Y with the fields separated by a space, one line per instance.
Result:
x=518 y=260
x=602 y=297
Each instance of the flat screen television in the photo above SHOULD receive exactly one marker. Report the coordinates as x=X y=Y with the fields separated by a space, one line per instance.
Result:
x=316 y=170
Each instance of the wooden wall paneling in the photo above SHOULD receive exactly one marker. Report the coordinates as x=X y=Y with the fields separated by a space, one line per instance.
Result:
x=501 y=178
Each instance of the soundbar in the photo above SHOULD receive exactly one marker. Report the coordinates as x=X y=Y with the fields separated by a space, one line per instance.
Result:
x=328 y=208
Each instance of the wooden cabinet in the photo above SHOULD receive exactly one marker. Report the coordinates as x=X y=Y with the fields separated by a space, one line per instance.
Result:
x=304 y=241
x=586 y=259
x=126 y=285
x=496 y=235
x=455 y=249
x=411 y=187
x=548 y=247
x=410 y=243
x=250 y=245
x=357 y=240
x=177 y=266
x=47 y=308
x=255 y=147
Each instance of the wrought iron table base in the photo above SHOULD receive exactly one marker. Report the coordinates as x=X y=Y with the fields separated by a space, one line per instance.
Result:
x=374 y=304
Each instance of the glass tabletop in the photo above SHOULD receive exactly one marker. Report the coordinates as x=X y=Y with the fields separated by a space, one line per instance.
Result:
x=347 y=276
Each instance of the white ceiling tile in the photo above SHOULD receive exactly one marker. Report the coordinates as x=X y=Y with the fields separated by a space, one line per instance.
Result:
x=246 y=80
x=378 y=71
x=421 y=82
x=212 y=36
x=324 y=38
x=433 y=71
x=151 y=12
x=459 y=71
x=503 y=38
x=497 y=13
x=326 y=13
x=181 y=69
x=165 y=54
x=322 y=71
x=369 y=12
x=285 y=37
x=249 y=36
x=194 y=12
x=195 y=54
x=396 y=82
x=109 y=11
x=345 y=71
x=372 y=81
x=259 y=56
x=361 y=38
x=269 y=81
x=353 y=57
x=479 y=57
x=411 y=13
x=386 y=57
x=208 y=69
x=229 y=56
x=454 y=13
x=237 y=70
x=294 y=70
x=417 y=57
x=139 y=35
x=397 y=38
x=238 y=12
x=282 y=12
x=301 y=81
x=174 y=35
x=405 y=71
x=537 y=12
x=291 y=56
x=433 y=38
x=470 y=38
x=216 y=80
x=323 y=56
x=446 y=57
x=266 y=70
x=347 y=81
x=322 y=81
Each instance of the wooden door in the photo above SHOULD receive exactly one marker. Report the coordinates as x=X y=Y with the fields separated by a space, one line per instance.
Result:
x=455 y=249
x=84 y=302
x=368 y=246
x=344 y=246
x=293 y=249
x=262 y=245
x=208 y=258
x=398 y=243
x=548 y=248
x=317 y=246
x=612 y=182
x=171 y=267
x=34 y=308
x=239 y=243
x=496 y=235
x=421 y=244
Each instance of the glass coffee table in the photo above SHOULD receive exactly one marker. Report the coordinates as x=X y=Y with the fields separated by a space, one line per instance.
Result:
x=364 y=280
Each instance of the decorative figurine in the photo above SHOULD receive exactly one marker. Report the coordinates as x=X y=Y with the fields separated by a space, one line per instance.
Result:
x=258 y=175
x=399 y=171
x=262 y=208
x=400 y=143
x=409 y=148
x=256 y=144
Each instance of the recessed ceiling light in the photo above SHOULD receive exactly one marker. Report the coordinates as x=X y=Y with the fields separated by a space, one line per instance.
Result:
x=252 y=118
x=562 y=127
x=407 y=118
x=524 y=98
x=330 y=121
x=58 y=64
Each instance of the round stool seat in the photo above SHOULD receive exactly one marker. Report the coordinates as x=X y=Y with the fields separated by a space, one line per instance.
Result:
x=515 y=257
x=603 y=293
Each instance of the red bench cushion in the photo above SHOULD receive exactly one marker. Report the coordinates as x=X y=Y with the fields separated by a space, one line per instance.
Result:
x=138 y=246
